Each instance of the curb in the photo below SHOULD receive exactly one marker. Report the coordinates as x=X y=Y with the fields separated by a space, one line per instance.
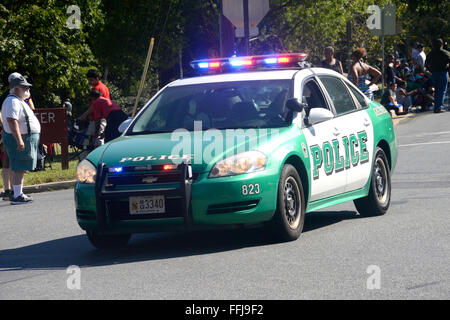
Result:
x=52 y=186
x=397 y=119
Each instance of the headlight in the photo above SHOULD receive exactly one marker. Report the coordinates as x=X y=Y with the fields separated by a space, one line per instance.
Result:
x=86 y=172
x=244 y=162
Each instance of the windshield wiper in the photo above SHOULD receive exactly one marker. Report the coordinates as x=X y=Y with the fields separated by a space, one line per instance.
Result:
x=149 y=132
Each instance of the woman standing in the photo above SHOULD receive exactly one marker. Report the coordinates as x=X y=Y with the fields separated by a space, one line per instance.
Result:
x=359 y=70
x=331 y=62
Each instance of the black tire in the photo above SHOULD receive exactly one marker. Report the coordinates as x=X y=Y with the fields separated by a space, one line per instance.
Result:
x=377 y=202
x=289 y=217
x=108 y=241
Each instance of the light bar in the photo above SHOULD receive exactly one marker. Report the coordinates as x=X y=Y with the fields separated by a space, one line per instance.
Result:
x=241 y=62
x=271 y=60
x=283 y=60
x=234 y=64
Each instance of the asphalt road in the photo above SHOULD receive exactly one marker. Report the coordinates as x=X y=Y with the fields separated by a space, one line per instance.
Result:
x=404 y=254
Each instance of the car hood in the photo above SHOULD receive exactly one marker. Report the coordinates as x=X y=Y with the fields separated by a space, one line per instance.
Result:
x=202 y=148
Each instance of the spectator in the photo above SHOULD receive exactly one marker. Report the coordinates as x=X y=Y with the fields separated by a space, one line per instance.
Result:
x=403 y=96
x=7 y=194
x=389 y=100
x=20 y=136
x=428 y=100
x=438 y=64
x=6 y=173
x=104 y=108
x=421 y=57
x=390 y=71
x=359 y=70
x=404 y=70
x=331 y=62
x=415 y=53
x=66 y=104
x=93 y=77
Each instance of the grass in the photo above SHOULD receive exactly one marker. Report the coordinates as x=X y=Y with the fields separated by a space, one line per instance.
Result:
x=55 y=174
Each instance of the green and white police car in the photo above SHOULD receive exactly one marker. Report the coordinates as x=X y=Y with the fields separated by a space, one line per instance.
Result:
x=251 y=140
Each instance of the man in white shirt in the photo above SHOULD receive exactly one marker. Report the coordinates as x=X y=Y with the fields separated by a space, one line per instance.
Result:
x=21 y=131
x=415 y=52
x=421 y=57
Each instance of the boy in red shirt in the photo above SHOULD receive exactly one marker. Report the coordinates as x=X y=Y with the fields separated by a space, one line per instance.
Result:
x=93 y=77
x=103 y=108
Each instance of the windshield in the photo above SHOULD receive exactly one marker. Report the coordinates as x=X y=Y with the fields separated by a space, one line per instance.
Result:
x=224 y=105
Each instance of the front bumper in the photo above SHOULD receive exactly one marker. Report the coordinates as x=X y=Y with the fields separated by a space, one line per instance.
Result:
x=192 y=203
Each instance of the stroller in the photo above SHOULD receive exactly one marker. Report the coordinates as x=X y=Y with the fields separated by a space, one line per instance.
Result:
x=79 y=140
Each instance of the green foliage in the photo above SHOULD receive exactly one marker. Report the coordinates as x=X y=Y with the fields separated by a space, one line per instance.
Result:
x=35 y=41
x=114 y=38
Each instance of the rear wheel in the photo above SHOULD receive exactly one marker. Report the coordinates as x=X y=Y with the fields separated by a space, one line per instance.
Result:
x=108 y=241
x=379 y=198
x=287 y=223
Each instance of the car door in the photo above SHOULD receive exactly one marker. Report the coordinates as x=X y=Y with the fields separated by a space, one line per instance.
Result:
x=322 y=143
x=357 y=131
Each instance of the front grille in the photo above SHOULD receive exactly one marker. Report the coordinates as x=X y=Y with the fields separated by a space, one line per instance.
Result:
x=232 y=207
x=120 y=210
x=115 y=180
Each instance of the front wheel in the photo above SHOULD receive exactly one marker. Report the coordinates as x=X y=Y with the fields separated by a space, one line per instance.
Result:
x=377 y=202
x=108 y=241
x=287 y=223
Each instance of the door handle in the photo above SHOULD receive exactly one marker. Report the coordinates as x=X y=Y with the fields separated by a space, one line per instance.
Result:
x=366 y=122
x=336 y=132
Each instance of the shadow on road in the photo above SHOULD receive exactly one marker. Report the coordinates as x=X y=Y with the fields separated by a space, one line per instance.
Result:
x=76 y=250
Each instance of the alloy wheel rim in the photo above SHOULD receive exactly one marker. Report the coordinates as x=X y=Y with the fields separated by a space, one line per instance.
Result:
x=292 y=202
x=381 y=180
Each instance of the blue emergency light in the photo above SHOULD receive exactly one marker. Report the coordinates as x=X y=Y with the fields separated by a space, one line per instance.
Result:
x=115 y=169
x=233 y=64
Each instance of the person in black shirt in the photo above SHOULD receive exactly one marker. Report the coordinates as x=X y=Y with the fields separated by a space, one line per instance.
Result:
x=438 y=62
x=391 y=76
x=331 y=62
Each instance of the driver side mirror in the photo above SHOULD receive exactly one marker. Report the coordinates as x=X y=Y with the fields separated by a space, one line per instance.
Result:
x=124 y=125
x=295 y=104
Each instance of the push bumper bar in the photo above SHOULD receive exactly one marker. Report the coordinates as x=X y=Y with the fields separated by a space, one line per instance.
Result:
x=184 y=192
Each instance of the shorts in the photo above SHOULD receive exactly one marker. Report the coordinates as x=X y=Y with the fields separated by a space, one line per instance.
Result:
x=25 y=160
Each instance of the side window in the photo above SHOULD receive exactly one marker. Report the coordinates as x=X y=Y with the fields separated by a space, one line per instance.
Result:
x=342 y=100
x=313 y=96
x=359 y=96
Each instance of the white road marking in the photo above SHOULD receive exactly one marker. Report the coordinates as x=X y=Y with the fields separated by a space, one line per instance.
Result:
x=423 y=143
x=428 y=134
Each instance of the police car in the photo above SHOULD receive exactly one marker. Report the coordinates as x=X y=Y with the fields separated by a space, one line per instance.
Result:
x=250 y=140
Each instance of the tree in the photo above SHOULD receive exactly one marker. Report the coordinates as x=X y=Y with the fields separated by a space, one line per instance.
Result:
x=36 y=41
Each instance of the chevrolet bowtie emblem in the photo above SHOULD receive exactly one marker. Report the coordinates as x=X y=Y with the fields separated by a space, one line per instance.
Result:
x=149 y=179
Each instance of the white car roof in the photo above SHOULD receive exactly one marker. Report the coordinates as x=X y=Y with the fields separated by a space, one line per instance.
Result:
x=286 y=74
x=238 y=76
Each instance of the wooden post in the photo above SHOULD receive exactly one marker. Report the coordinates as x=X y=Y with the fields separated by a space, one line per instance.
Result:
x=246 y=29
x=144 y=74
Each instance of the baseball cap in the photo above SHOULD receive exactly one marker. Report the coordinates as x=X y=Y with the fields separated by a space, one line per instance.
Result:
x=16 y=79
x=13 y=75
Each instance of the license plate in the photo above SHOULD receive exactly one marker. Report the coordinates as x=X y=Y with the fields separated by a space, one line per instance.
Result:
x=147 y=205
